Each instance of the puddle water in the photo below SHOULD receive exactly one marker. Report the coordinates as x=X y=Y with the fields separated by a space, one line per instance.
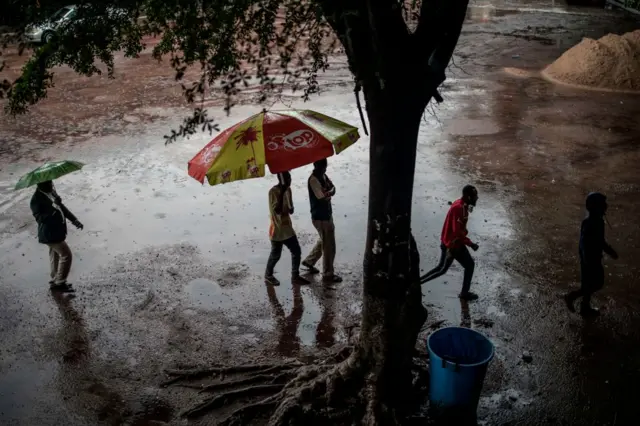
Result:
x=20 y=387
x=471 y=127
x=300 y=316
x=207 y=294
x=486 y=13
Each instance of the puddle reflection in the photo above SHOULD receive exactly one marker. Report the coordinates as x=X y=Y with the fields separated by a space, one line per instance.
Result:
x=326 y=330
x=73 y=333
x=288 y=326
x=288 y=339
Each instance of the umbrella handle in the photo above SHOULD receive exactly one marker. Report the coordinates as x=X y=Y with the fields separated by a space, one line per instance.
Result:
x=356 y=90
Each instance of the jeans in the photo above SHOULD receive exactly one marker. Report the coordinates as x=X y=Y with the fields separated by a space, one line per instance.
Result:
x=447 y=256
x=325 y=247
x=276 y=252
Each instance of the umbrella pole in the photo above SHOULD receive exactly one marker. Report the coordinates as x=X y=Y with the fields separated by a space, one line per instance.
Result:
x=356 y=91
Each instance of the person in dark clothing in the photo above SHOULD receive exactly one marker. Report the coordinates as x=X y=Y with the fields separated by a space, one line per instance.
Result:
x=281 y=231
x=592 y=245
x=51 y=216
x=454 y=242
x=321 y=189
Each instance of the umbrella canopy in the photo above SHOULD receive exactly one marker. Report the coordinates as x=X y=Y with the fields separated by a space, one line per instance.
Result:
x=48 y=171
x=282 y=140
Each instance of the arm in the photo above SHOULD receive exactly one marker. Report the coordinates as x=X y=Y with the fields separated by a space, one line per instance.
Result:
x=289 y=201
x=276 y=201
x=286 y=205
x=460 y=227
x=316 y=187
x=70 y=216
x=606 y=247
x=332 y=187
x=610 y=251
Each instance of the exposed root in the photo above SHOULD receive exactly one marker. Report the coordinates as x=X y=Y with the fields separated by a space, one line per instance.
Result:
x=327 y=385
x=244 y=415
x=225 y=398
x=260 y=378
x=198 y=373
x=329 y=391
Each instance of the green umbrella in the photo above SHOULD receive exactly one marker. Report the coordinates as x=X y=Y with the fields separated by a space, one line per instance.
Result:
x=48 y=171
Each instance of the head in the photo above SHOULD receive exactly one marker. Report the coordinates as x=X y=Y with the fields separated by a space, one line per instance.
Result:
x=320 y=166
x=470 y=195
x=596 y=204
x=46 y=186
x=284 y=179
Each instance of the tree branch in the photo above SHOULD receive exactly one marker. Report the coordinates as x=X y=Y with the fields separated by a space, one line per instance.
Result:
x=374 y=35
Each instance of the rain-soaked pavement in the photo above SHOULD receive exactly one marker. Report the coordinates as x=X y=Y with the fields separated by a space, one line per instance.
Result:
x=169 y=272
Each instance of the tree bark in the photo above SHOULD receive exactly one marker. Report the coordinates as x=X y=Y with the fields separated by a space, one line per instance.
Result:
x=399 y=72
x=392 y=309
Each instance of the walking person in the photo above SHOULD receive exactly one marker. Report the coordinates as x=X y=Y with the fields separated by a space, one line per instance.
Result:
x=321 y=189
x=454 y=242
x=51 y=216
x=592 y=245
x=281 y=231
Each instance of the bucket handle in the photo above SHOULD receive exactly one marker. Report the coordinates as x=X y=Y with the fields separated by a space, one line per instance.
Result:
x=450 y=360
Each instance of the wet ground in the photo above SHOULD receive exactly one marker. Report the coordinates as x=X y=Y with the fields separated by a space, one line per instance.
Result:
x=169 y=272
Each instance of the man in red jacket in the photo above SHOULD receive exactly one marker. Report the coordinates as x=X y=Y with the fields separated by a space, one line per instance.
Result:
x=454 y=242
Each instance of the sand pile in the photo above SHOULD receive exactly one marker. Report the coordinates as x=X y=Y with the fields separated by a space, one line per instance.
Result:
x=610 y=63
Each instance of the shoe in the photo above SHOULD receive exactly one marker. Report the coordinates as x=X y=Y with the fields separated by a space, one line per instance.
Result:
x=332 y=279
x=469 y=296
x=569 y=301
x=589 y=312
x=312 y=269
x=271 y=280
x=62 y=288
x=297 y=279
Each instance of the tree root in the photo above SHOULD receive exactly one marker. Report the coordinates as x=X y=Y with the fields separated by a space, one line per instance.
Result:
x=245 y=414
x=222 y=399
x=198 y=373
x=334 y=390
x=260 y=378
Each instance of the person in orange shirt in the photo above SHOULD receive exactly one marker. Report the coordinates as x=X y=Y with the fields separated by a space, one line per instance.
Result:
x=454 y=242
x=281 y=231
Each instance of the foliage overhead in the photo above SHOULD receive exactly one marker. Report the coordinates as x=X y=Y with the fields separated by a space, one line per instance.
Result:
x=230 y=43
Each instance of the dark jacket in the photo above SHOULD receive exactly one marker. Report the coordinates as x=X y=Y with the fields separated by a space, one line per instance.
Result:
x=52 y=226
x=592 y=241
x=320 y=208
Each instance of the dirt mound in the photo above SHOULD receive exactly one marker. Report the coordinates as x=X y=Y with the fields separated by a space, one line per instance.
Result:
x=610 y=63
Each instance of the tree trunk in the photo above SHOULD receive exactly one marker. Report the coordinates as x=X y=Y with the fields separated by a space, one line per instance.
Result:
x=393 y=313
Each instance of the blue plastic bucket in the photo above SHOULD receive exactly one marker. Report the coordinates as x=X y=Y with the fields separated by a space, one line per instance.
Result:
x=458 y=363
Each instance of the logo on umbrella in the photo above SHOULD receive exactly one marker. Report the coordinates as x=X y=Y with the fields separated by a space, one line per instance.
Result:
x=295 y=140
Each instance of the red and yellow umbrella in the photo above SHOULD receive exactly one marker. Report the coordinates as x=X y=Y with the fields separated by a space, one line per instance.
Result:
x=282 y=140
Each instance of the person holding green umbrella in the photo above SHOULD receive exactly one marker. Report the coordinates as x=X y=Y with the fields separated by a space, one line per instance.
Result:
x=51 y=216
